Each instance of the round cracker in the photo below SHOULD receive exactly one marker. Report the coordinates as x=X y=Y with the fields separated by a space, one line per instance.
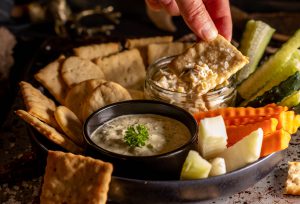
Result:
x=105 y=94
x=75 y=70
x=78 y=93
x=70 y=124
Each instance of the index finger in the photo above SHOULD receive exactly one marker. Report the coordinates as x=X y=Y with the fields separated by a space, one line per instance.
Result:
x=197 y=18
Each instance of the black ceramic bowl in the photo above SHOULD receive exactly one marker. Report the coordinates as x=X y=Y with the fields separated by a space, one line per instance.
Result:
x=164 y=166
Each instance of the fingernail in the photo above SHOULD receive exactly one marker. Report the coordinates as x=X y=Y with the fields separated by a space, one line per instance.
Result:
x=209 y=32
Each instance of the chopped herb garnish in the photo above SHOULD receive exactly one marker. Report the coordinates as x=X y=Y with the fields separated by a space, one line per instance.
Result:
x=136 y=135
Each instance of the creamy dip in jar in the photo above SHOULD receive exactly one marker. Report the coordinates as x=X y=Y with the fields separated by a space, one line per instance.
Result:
x=165 y=135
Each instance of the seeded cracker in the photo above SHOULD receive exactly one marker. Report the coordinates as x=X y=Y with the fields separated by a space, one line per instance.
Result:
x=50 y=78
x=76 y=70
x=105 y=94
x=38 y=105
x=208 y=64
x=78 y=93
x=125 y=68
x=75 y=179
x=97 y=50
x=141 y=44
x=292 y=185
x=70 y=124
x=49 y=132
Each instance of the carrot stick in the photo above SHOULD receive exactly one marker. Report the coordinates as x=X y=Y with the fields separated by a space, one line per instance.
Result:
x=240 y=112
x=236 y=133
x=274 y=142
x=286 y=121
x=296 y=124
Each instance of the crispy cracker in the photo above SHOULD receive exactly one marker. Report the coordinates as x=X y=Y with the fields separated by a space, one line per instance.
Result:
x=49 y=132
x=74 y=179
x=70 y=124
x=216 y=62
x=97 y=50
x=38 y=105
x=50 y=78
x=78 y=93
x=105 y=94
x=136 y=94
x=156 y=51
x=292 y=185
x=125 y=68
x=75 y=70
x=142 y=43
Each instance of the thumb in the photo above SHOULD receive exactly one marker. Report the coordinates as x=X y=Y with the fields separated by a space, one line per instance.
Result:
x=197 y=18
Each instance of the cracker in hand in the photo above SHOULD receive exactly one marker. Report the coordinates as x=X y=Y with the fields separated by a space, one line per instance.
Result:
x=73 y=178
x=208 y=64
x=49 y=132
x=292 y=185
x=75 y=70
x=79 y=92
x=97 y=50
x=50 y=78
x=70 y=124
x=38 y=105
x=104 y=94
x=125 y=68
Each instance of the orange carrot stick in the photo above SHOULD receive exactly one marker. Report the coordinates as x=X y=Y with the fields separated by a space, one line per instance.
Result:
x=240 y=112
x=286 y=121
x=274 y=142
x=236 y=133
x=296 y=124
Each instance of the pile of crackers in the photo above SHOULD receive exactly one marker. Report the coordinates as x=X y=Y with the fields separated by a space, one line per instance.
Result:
x=94 y=76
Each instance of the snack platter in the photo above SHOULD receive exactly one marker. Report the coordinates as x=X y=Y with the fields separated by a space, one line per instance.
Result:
x=160 y=191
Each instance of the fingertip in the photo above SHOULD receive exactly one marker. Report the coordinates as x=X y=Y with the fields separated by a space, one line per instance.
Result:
x=208 y=32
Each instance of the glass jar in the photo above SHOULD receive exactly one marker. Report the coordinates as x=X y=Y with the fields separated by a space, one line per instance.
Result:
x=219 y=97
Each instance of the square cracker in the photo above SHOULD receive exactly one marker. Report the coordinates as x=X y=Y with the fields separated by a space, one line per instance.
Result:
x=142 y=43
x=75 y=70
x=212 y=63
x=97 y=50
x=156 y=51
x=125 y=68
x=50 y=78
x=49 y=132
x=292 y=185
x=74 y=179
x=38 y=105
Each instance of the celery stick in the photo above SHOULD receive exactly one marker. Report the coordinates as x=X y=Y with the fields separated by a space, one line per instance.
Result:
x=255 y=39
x=269 y=70
x=290 y=68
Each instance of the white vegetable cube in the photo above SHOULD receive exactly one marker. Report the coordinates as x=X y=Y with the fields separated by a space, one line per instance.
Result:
x=244 y=151
x=195 y=167
x=212 y=137
x=218 y=166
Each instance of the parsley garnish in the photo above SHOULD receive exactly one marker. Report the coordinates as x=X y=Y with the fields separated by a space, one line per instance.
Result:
x=136 y=136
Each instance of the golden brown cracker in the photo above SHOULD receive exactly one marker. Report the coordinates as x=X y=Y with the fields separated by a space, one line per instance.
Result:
x=292 y=185
x=105 y=94
x=125 y=68
x=49 y=132
x=75 y=70
x=70 y=124
x=38 y=105
x=97 y=50
x=141 y=44
x=136 y=94
x=74 y=179
x=216 y=60
x=156 y=51
x=51 y=79
x=78 y=93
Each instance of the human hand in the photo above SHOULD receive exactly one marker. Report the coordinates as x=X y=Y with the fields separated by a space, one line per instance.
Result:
x=206 y=18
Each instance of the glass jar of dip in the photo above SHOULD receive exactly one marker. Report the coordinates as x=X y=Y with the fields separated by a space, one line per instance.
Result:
x=163 y=87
